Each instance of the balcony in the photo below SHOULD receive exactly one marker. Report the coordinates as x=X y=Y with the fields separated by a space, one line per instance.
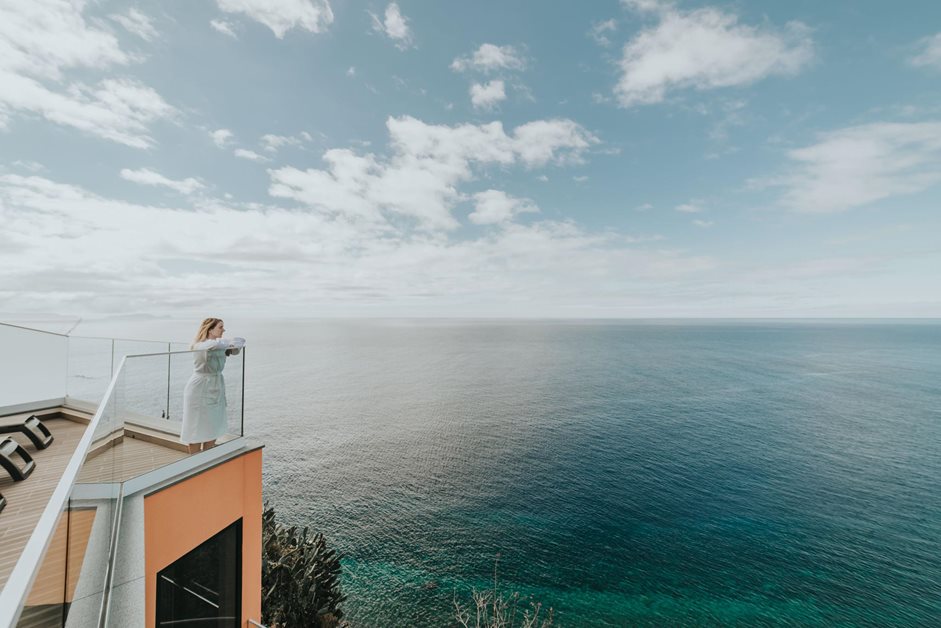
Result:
x=72 y=532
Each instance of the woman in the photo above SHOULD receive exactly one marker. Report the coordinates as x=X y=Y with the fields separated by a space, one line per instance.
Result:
x=204 y=417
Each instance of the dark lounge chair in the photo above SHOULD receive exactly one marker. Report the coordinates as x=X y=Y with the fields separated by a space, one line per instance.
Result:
x=3 y=501
x=34 y=430
x=8 y=447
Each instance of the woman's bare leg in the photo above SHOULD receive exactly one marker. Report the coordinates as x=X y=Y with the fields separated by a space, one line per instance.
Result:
x=193 y=448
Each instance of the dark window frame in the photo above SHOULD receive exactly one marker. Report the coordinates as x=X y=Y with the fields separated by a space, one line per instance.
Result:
x=183 y=603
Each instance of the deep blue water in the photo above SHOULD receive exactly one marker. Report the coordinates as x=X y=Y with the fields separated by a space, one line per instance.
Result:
x=766 y=473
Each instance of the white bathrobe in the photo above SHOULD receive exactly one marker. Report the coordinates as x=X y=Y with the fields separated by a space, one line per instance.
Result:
x=204 y=417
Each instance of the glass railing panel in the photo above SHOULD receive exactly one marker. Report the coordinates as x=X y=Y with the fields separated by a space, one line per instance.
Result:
x=56 y=589
x=32 y=366
x=93 y=360
x=46 y=603
x=145 y=389
x=91 y=365
x=94 y=514
x=124 y=347
x=234 y=375
x=181 y=369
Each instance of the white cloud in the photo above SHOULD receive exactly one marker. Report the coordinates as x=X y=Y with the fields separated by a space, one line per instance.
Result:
x=394 y=26
x=693 y=207
x=420 y=178
x=859 y=165
x=271 y=143
x=643 y=207
x=283 y=15
x=40 y=42
x=223 y=27
x=538 y=142
x=351 y=71
x=489 y=58
x=599 y=29
x=120 y=110
x=703 y=224
x=930 y=55
x=32 y=166
x=131 y=257
x=43 y=38
x=244 y=153
x=637 y=239
x=145 y=176
x=494 y=207
x=221 y=137
x=136 y=23
x=706 y=49
x=67 y=249
x=649 y=6
x=487 y=96
x=580 y=178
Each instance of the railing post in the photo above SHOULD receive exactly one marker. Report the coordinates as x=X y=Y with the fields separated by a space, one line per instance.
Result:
x=243 y=393
x=68 y=364
x=168 y=380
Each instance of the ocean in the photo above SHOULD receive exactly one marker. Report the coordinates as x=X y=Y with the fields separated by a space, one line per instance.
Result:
x=649 y=473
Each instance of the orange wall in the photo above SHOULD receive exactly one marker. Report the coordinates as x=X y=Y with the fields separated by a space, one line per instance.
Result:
x=180 y=517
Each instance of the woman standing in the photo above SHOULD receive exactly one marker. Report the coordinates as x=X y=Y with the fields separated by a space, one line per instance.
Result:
x=204 y=418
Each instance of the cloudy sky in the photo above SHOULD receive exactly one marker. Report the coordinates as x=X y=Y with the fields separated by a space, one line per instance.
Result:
x=640 y=158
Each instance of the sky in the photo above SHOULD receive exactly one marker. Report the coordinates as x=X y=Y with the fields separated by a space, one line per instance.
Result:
x=321 y=158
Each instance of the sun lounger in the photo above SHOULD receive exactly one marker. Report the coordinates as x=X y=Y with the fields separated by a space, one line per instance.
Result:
x=8 y=447
x=34 y=430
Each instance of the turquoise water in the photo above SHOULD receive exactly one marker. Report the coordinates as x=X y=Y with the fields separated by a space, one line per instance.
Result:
x=623 y=473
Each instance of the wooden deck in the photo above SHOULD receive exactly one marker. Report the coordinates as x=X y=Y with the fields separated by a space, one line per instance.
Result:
x=128 y=459
x=26 y=500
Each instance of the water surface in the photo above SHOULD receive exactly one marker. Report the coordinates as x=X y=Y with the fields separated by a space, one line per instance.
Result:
x=765 y=473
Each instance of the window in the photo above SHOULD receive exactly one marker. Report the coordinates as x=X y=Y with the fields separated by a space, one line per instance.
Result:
x=204 y=587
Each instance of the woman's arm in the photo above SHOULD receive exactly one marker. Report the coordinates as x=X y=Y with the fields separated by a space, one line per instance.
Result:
x=235 y=346
x=228 y=344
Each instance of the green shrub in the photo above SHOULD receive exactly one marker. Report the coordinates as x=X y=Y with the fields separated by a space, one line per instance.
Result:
x=300 y=578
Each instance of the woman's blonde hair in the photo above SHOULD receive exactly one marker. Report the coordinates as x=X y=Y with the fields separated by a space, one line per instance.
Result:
x=204 y=327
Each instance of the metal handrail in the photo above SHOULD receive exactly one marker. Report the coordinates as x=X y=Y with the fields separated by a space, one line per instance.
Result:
x=148 y=355
x=41 y=331
x=105 y=609
x=163 y=342
x=53 y=333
